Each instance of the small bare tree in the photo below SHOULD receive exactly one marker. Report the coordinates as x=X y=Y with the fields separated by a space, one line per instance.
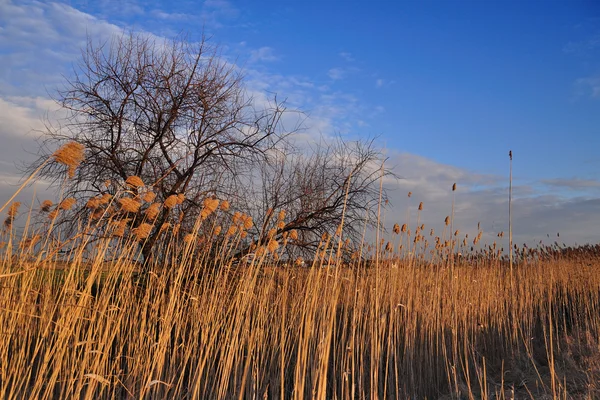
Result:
x=311 y=192
x=174 y=114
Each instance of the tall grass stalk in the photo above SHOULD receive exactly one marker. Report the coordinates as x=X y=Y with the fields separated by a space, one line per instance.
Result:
x=79 y=319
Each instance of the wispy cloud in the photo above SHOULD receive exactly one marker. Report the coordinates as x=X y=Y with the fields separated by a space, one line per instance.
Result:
x=336 y=73
x=588 y=87
x=339 y=73
x=38 y=41
x=119 y=8
x=215 y=13
x=263 y=54
x=583 y=47
x=170 y=16
x=483 y=198
x=572 y=184
x=346 y=56
x=379 y=83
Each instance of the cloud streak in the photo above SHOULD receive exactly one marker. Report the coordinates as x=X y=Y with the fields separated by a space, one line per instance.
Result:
x=263 y=54
x=483 y=198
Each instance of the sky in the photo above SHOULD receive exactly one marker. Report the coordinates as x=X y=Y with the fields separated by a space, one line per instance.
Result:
x=447 y=87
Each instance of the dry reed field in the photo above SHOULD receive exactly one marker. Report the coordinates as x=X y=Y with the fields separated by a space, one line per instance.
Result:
x=81 y=317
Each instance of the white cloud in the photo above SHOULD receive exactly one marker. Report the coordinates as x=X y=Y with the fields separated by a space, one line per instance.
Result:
x=263 y=54
x=484 y=198
x=336 y=73
x=346 y=56
x=170 y=16
x=588 y=86
x=583 y=47
x=113 y=8
x=379 y=83
x=215 y=12
x=38 y=41
x=573 y=183
x=21 y=116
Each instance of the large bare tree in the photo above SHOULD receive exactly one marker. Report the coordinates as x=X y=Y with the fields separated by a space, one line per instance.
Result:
x=172 y=113
x=170 y=124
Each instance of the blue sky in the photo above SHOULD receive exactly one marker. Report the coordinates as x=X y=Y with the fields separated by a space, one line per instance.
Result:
x=461 y=82
x=448 y=86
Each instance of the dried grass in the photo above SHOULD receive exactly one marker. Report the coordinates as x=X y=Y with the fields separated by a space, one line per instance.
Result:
x=199 y=323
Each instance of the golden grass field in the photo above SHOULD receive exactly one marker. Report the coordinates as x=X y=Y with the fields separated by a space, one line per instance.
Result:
x=196 y=325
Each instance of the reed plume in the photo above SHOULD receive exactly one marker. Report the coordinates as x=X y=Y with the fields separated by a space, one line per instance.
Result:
x=129 y=205
x=134 y=182
x=45 y=206
x=71 y=155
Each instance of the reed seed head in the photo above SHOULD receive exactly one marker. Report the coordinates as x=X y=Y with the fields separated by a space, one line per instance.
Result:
x=93 y=203
x=142 y=231
x=134 y=181
x=129 y=205
x=273 y=245
x=231 y=231
x=13 y=210
x=45 y=206
x=338 y=231
x=120 y=229
x=247 y=221
x=224 y=206
x=67 y=204
x=237 y=218
x=149 y=197
x=98 y=213
x=71 y=155
x=171 y=201
x=210 y=204
x=152 y=211
x=396 y=229
x=105 y=199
